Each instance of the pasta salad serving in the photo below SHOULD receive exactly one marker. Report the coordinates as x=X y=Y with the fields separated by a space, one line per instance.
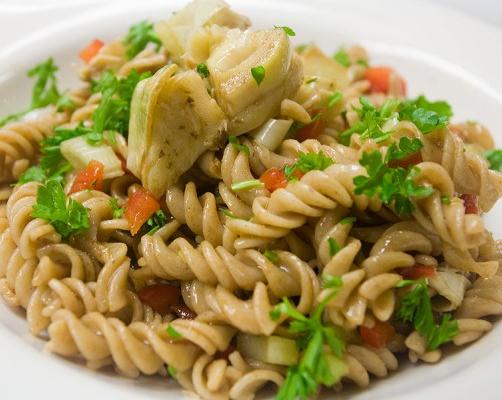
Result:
x=219 y=207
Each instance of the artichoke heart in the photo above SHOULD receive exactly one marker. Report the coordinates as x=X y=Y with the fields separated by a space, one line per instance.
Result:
x=330 y=75
x=173 y=121
x=247 y=103
x=189 y=34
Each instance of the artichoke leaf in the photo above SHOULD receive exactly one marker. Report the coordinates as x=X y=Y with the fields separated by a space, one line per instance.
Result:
x=330 y=74
x=189 y=34
x=173 y=121
x=246 y=103
x=450 y=286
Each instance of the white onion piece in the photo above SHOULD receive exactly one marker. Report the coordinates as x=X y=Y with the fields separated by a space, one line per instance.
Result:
x=272 y=133
x=79 y=153
x=450 y=286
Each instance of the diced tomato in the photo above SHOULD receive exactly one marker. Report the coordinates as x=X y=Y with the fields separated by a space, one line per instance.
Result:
x=417 y=271
x=160 y=296
x=140 y=206
x=225 y=353
x=470 y=203
x=91 y=50
x=379 y=335
x=89 y=178
x=273 y=179
x=183 y=312
x=379 y=78
x=310 y=131
x=412 y=159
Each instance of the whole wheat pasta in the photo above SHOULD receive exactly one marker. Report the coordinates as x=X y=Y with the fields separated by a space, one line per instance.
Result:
x=220 y=208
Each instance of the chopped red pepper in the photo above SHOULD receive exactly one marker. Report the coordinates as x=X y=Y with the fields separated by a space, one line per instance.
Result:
x=379 y=78
x=182 y=311
x=160 y=296
x=275 y=178
x=310 y=131
x=140 y=206
x=379 y=335
x=470 y=203
x=412 y=159
x=418 y=271
x=91 y=50
x=89 y=178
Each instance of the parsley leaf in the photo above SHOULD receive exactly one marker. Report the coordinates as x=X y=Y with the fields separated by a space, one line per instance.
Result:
x=155 y=222
x=415 y=307
x=202 y=70
x=371 y=121
x=494 y=158
x=317 y=366
x=66 y=215
x=237 y=145
x=115 y=106
x=228 y=213
x=258 y=73
x=33 y=174
x=173 y=333
x=392 y=185
x=334 y=99
x=348 y=220
x=342 y=57
x=334 y=247
x=308 y=162
x=271 y=255
x=44 y=91
x=426 y=115
x=139 y=36
x=287 y=29
x=65 y=103
x=117 y=211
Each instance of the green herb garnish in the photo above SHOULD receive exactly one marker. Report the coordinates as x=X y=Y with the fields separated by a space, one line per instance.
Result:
x=426 y=115
x=258 y=73
x=66 y=215
x=271 y=255
x=114 y=109
x=334 y=99
x=237 y=145
x=334 y=247
x=155 y=222
x=317 y=366
x=139 y=36
x=44 y=91
x=202 y=70
x=348 y=220
x=494 y=158
x=342 y=57
x=246 y=185
x=307 y=162
x=371 y=121
x=392 y=185
x=415 y=307
x=228 y=213
x=117 y=211
x=446 y=200
x=173 y=333
x=287 y=29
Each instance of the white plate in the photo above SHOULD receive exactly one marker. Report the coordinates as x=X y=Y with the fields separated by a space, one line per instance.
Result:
x=441 y=53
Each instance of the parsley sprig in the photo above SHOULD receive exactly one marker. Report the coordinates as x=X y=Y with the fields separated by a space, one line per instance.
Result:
x=44 y=92
x=371 y=121
x=155 y=222
x=66 y=215
x=392 y=185
x=425 y=114
x=114 y=109
x=308 y=162
x=415 y=307
x=139 y=36
x=317 y=366
x=494 y=158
